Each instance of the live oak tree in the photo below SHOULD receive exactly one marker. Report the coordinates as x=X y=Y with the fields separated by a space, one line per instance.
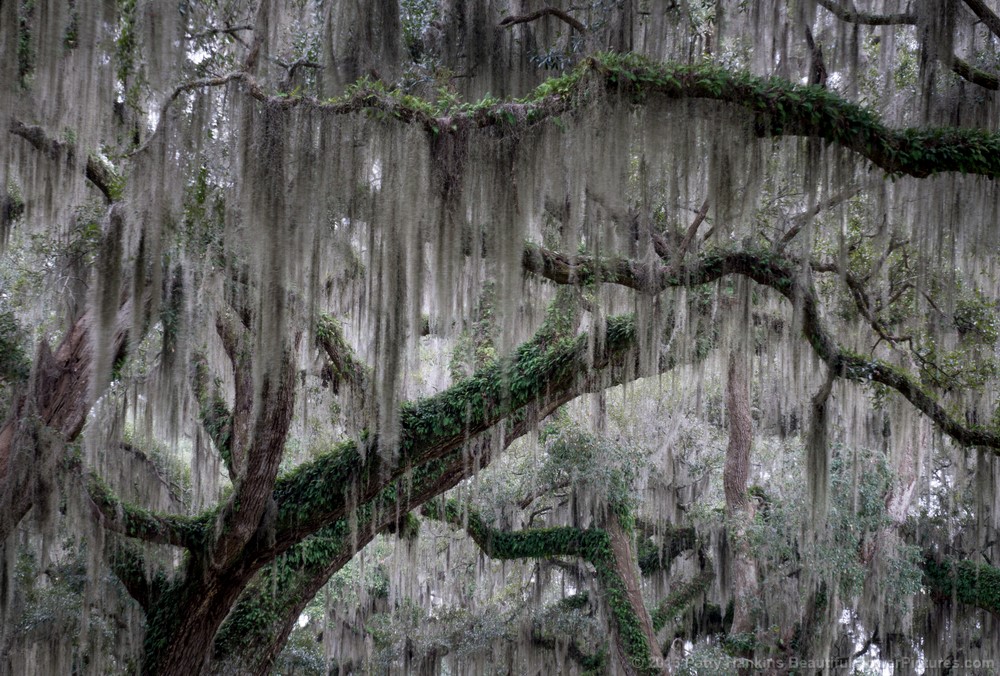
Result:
x=277 y=276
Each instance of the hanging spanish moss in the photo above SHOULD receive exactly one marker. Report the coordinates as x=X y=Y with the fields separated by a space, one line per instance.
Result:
x=405 y=336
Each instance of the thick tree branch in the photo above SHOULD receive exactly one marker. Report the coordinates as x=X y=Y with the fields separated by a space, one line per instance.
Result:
x=853 y=16
x=96 y=170
x=214 y=414
x=596 y=546
x=130 y=568
x=513 y=20
x=775 y=107
x=227 y=30
x=976 y=76
x=780 y=274
x=142 y=524
x=674 y=541
x=349 y=479
x=682 y=596
x=236 y=342
x=986 y=15
x=547 y=369
x=58 y=399
x=254 y=638
x=244 y=512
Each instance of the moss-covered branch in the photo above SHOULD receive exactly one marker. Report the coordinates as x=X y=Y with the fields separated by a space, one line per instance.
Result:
x=548 y=369
x=672 y=543
x=779 y=273
x=775 y=107
x=126 y=519
x=130 y=568
x=343 y=366
x=96 y=170
x=973 y=584
x=680 y=598
x=256 y=630
x=216 y=418
x=594 y=545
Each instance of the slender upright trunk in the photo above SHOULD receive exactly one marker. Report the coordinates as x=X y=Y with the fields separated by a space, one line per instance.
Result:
x=739 y=508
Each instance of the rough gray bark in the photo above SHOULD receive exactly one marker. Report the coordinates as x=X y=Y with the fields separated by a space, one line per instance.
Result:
x=739 y=508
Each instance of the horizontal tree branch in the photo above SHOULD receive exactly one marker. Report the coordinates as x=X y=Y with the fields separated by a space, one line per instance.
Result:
x=780 y=274
x=227 y=30
x=775 y=107
x=960 y=67
x=976 y=76
x=594 y=545
x=863 y=18
x=96 y=170
x=125 y=519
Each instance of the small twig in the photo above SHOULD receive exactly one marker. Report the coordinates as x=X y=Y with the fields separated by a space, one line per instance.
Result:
x=184 y=88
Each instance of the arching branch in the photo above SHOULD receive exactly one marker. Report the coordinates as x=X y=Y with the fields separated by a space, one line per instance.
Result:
x=775 y=107
x=96 y=170
x=513 y=20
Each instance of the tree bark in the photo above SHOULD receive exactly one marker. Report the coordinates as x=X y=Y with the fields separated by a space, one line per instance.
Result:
x=58 y=397
x=626 y=566
x=739 y=509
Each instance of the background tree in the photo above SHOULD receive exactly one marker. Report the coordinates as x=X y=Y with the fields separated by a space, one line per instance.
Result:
x=276 y=276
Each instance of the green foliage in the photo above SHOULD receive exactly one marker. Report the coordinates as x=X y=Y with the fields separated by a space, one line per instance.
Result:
x=975 y=318
x=596 y=464
x=680 y=598
x=416 y=16
x=14 y=362
x=969 y=582
x=778 y=107
x=25 y=43
x=126 y=46
x=465 y=408
x=593 y=545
